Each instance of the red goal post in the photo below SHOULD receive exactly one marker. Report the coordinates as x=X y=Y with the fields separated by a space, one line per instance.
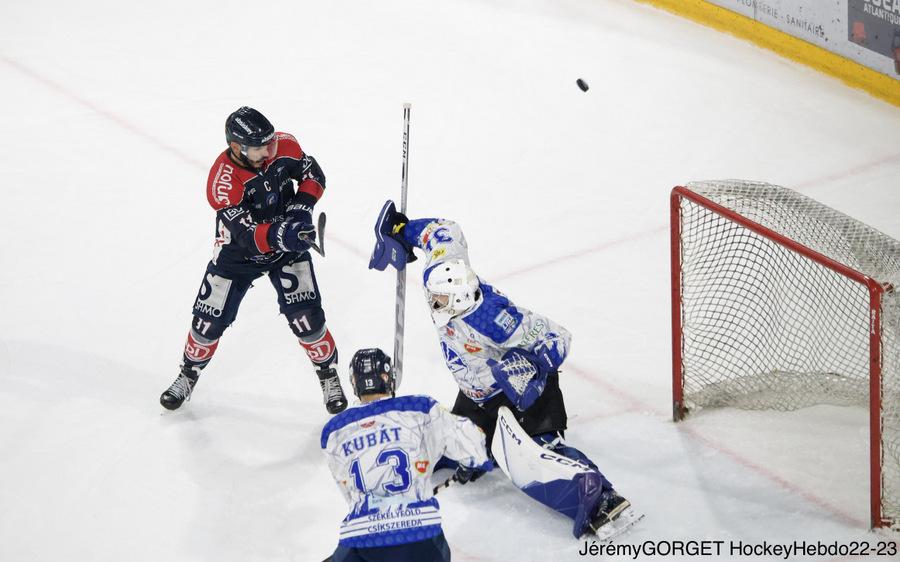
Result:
x=779 y=302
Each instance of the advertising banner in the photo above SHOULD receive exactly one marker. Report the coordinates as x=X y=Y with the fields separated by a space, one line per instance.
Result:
x=865 y=31
x=875 y=25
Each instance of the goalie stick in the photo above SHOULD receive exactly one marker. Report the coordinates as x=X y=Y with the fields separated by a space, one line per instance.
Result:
x=445 y=484
x=401 y=274
x=400 y=305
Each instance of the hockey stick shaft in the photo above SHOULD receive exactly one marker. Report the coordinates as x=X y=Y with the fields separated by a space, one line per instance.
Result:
x=400 y=307
x=445 y=484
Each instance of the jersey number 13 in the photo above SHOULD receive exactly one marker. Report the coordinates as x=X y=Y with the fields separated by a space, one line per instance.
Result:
x=395 y=458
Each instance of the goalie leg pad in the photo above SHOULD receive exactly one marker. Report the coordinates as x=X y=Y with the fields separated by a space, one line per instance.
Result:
x=573 y=498
x=568 y=485
x=557 y=444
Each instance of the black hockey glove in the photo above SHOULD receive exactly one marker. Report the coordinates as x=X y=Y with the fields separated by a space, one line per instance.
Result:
x=464 y=475
x=291 y=236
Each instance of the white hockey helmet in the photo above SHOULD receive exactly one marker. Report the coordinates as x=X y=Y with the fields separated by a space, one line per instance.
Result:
x=451 y=288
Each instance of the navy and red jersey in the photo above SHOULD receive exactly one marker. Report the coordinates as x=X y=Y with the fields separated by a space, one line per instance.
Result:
x=247 y=201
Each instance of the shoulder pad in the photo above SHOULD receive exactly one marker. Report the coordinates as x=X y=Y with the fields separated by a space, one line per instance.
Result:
x=225 y=184
x=414 y=403
x=288 y=146
x=399 y=404
x=496 y=318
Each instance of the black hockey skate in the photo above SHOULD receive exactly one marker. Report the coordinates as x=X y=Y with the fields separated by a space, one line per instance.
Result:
x=181 y=389
x=335 y=400
x=613 y=517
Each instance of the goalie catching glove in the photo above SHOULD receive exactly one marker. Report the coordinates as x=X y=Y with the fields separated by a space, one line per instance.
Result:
x=521 y=375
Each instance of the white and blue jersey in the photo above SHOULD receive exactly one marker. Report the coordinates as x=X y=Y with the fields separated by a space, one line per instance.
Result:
x=382 y=455
x=491 y=328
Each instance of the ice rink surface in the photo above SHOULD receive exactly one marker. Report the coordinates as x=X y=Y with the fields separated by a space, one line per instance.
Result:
x=112 y=115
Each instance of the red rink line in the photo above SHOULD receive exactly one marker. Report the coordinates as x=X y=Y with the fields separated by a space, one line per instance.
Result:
x=862 y=168
x=585 y=252
x=806 y=186
x=109 y=116
x=638 y=405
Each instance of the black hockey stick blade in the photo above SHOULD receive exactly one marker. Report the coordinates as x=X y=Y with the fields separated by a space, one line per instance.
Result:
x=320 y=247
x=321 y=228
x=313 y=246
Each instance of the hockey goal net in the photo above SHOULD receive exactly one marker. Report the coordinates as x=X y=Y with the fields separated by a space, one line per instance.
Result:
x=778 y=303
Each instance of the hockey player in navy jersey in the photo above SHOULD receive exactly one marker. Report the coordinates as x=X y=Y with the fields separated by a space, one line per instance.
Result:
x=263 y=227
x=500 y=355
x=382 y=454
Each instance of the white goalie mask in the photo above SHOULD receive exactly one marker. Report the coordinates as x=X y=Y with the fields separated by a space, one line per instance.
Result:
x=451 y=289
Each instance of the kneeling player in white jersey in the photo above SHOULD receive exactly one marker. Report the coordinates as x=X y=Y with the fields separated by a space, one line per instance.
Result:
x=382 y=454
x=503 y=355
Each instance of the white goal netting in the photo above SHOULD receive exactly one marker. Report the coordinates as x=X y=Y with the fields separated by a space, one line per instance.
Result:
x=765 y=325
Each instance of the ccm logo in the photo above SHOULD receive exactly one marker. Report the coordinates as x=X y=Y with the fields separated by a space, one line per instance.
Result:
x=509 y=431
x=222 y=182
x=563 y=461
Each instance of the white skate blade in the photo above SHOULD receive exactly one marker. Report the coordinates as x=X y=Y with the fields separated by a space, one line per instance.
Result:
x=619 y=526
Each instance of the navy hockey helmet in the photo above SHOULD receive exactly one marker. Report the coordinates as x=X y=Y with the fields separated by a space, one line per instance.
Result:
x=254 y=133
x=371 y=373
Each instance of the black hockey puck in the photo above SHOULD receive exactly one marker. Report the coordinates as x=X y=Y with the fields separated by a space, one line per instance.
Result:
x=582 y=84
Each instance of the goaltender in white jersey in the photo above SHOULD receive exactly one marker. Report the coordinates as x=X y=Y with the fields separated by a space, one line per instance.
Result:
x=506 y=361
x=382 y=454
